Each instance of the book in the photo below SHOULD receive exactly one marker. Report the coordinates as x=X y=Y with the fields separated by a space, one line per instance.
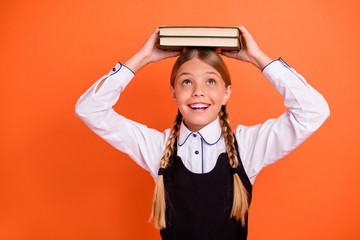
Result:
x=200 y=31
x=218 y=38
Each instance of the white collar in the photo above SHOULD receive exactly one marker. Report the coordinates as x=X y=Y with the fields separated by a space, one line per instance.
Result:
x=211 y=133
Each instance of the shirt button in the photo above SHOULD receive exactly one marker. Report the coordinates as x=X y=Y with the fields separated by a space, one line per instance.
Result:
x=114 y=69
x=196 y=152
x=194 y=135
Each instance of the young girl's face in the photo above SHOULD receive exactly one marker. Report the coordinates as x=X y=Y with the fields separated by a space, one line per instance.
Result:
x=199 y=91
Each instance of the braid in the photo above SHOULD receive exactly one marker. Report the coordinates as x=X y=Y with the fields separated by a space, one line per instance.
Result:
x=171 y=140
x=159 y=205
x=228 y=136
x=240 y=201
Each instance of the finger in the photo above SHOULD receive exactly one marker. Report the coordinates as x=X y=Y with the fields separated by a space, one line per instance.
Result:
x=156 y=33
x=153 y=37
x=245 y=33
x=229 y=54
x=247 y=38
x=157 y=30
x=172 y=54
x=242 y=28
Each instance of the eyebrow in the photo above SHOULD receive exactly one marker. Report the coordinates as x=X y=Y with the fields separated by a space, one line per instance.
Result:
x=186 y=73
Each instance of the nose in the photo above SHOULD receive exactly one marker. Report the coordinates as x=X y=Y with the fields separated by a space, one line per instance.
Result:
x=198 y=90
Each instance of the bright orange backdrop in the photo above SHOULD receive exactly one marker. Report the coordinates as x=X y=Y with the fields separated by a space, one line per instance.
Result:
x=58 y=180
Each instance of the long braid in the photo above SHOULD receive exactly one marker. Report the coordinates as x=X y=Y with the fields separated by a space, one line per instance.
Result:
x=240 y=201
x=159 y=204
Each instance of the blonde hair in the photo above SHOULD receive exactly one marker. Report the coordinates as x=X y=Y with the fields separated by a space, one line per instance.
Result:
x=240 y=200
x=159 y=204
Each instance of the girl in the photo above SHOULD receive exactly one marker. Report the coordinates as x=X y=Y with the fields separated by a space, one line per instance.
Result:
x=203 y=170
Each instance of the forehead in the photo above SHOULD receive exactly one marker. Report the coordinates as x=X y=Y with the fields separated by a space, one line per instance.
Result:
x=196 y=67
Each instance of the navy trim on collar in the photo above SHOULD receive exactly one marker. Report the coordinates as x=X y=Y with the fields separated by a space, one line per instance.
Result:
x=207 y=142
x=180 y=144
x=211 y=133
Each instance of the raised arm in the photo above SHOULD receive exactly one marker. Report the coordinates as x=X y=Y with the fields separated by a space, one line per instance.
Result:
x=95 y=108
x=265 y=143
x=147 y=54
x=250 y=52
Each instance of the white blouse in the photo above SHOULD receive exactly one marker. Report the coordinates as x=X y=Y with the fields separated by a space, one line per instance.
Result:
x=258 y=145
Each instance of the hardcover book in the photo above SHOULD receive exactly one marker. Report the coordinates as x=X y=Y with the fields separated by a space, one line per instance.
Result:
x=218 y=38
x=200 y=31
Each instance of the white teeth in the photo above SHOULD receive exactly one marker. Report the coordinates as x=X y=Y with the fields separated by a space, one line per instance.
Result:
x=199 y=105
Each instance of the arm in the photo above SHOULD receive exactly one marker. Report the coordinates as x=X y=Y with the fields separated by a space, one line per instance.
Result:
x=265 y=143
x=147 y=54
x=144 y=145
x=250 y=52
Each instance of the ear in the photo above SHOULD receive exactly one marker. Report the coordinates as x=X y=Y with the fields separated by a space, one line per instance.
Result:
x=173 y=93
x=228 y=90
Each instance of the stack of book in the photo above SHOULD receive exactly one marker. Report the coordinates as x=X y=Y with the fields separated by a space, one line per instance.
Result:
x=217 y=38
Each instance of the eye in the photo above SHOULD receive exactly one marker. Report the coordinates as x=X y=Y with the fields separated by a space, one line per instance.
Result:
x=186 y=82
x=211 y=81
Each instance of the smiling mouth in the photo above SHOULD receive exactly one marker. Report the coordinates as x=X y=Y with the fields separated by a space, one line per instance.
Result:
x=199 y=106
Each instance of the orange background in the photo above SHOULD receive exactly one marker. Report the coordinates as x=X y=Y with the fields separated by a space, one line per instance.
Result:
x=58 y=180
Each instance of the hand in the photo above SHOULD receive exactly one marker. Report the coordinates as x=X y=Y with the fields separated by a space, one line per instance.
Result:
x=250 y=51
x=151 y=50
x=149 y=53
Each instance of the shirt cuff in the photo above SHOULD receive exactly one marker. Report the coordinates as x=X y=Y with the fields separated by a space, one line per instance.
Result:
x=117 y=68
x=276 y=68
x=281 y=60
x=129 y=69
x=274 y=72
x=280 y=73
x=118 y=78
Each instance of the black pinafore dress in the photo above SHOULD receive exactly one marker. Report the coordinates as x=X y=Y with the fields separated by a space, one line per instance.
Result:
x=198 y=206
